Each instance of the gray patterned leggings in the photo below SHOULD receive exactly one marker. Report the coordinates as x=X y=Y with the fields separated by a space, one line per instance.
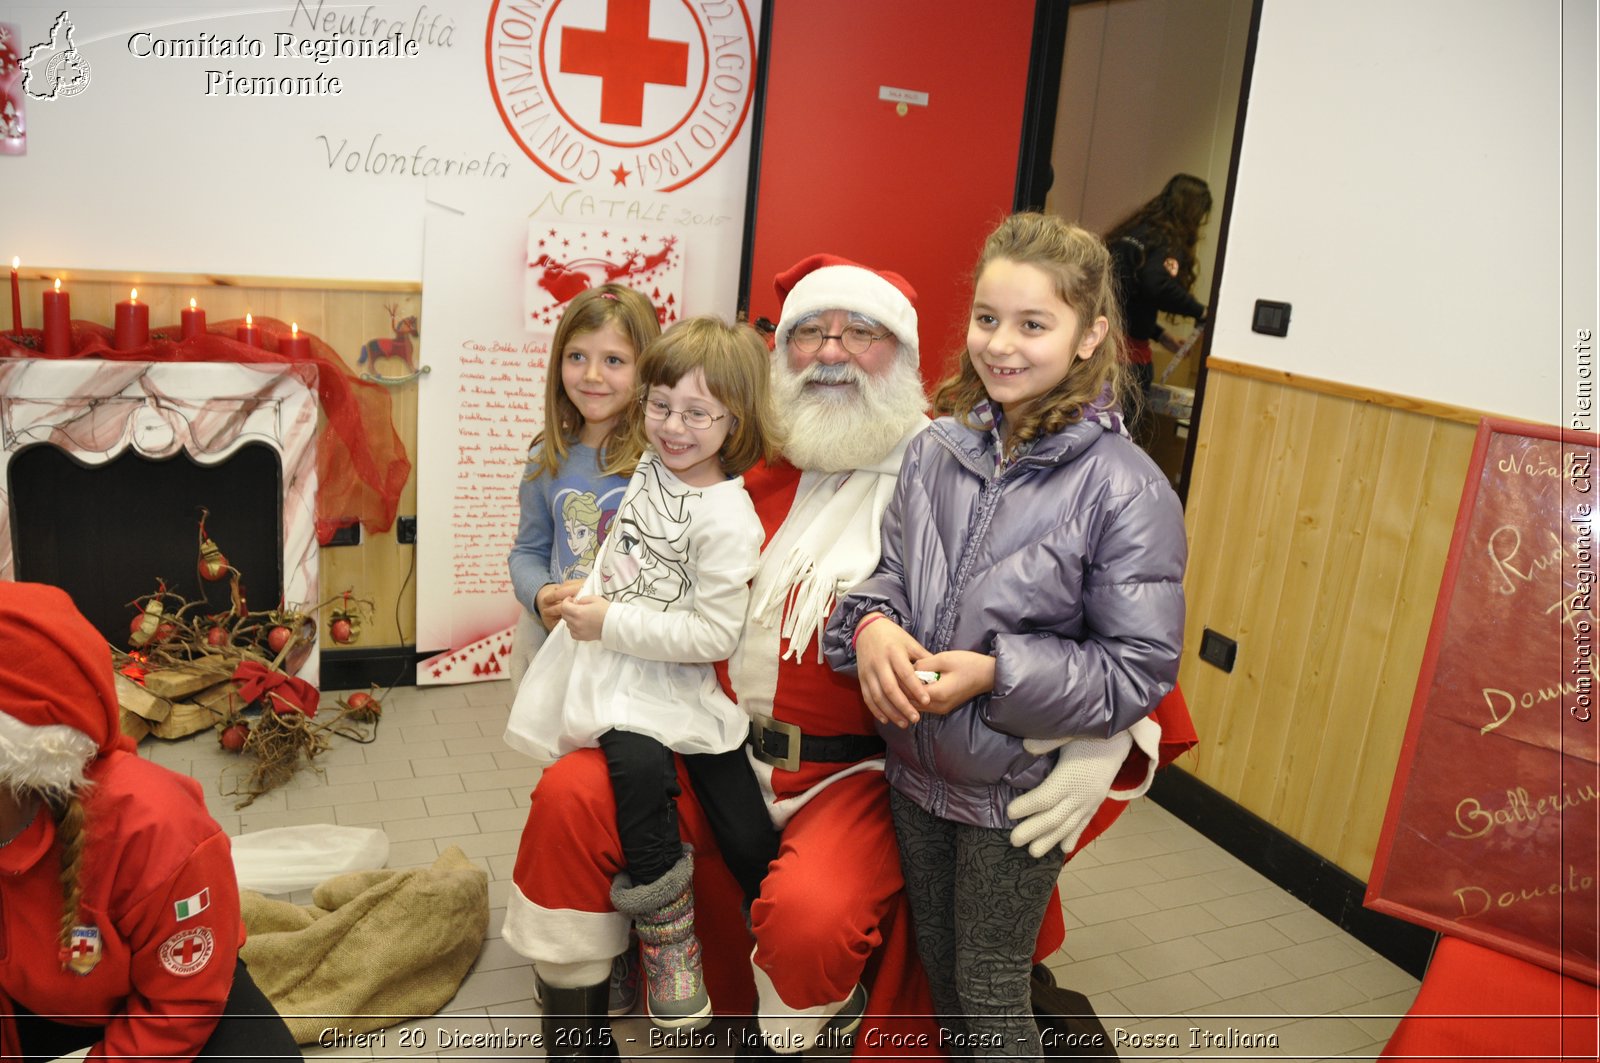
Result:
x=976 y=902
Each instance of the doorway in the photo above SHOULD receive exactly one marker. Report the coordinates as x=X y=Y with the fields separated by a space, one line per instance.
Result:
x=1151 y=88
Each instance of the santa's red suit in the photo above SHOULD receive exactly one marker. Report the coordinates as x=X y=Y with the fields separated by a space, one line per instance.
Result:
x=158 y=931
x=831 y=911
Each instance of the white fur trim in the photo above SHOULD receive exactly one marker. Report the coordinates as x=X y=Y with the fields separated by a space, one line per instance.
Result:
x=793 y=1029
x=782 y=809
x=563 y=935
x=49 y=759
x=853 y=288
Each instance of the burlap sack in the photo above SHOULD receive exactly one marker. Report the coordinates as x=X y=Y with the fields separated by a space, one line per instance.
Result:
x=373 y=948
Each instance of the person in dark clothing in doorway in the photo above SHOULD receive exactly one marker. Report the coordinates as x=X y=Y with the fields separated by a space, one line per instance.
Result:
x=1154 y=254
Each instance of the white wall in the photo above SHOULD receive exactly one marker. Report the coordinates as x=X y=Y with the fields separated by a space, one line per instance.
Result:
x=1400 y=186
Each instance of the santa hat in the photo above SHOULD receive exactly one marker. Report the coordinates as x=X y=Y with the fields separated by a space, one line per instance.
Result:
x=58 y=704
x=828 y=282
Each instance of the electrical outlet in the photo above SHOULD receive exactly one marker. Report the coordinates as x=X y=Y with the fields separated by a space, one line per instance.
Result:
x=349 y=535
x=1270 y=318
x=405 y=530
x=1217 y=649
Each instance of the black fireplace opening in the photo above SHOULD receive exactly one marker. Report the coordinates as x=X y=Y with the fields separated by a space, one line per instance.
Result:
x=106 y=533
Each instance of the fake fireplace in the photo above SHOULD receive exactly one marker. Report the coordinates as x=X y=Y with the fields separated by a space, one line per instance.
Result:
x=106 y=466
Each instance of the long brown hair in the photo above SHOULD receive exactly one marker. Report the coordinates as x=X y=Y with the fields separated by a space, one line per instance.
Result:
x=595 y=308
x=738 y=372
x=1175 y=215
x=68 y=812
x=1080 y=267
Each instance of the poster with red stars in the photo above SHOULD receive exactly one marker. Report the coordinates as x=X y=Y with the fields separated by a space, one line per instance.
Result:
x=628 y=121
x=565 y=258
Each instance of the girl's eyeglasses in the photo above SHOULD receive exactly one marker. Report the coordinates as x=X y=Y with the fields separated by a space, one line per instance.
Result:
x=693 y=418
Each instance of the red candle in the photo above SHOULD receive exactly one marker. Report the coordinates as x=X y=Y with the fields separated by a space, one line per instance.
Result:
x=247 y=332
x=294 y=345
x=133 y=324
x=57 y=322
x=16 y=296
x=194 y=322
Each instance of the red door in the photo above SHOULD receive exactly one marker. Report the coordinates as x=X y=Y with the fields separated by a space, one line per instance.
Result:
x=843 y=171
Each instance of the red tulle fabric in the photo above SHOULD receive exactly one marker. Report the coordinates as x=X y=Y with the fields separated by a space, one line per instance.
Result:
x=362 y=465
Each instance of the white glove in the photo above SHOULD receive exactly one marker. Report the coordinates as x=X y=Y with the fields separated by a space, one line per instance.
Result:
x=1056 y=811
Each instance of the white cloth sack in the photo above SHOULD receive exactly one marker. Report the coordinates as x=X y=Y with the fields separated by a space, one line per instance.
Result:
x=285 y=859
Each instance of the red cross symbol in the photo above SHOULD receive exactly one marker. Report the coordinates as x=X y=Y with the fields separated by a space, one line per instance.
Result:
x=625 y=57
x=190 y=945
x=81 y=947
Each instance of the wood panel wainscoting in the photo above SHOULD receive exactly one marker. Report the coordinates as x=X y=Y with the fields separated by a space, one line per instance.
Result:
x=1319 y=518
x=345 y=315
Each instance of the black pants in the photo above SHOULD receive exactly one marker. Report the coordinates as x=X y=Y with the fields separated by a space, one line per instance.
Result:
x=249 y=1029
x=645 y=784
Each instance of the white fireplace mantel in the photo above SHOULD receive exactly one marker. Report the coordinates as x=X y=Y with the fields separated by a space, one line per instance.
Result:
x=95 y=410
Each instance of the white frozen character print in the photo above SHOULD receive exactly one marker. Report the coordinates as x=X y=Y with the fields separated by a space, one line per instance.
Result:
x=580 y=519
x=648 y=559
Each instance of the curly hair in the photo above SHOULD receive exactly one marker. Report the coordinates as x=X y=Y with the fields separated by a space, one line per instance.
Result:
x=1176 y=214
x=1080 y=268
x=594 y=308
x=737 y=368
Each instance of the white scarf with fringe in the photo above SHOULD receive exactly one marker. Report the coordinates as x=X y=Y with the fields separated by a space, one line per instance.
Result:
x=828 y=543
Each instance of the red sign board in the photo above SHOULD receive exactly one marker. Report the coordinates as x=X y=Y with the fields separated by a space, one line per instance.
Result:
x=1491 y=831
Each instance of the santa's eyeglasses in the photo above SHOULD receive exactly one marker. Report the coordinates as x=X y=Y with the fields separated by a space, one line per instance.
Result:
x=855 y=339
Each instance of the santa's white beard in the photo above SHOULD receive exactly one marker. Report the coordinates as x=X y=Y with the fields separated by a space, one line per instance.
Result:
x=831 y=429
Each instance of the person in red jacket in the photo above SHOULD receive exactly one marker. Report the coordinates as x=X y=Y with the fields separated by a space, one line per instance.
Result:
x=119 y=911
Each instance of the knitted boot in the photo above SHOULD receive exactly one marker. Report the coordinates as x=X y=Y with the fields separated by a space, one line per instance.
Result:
x=574 y=1023
x=663 y=915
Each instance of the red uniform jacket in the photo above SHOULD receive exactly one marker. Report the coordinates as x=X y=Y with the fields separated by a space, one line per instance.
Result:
x=158 y=933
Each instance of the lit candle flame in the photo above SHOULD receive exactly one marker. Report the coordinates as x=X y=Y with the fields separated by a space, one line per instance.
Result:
x=191 y=304
x=15 y=262
x=294 y=330
x=133 y=295
x=249 y=321
x=58 y=284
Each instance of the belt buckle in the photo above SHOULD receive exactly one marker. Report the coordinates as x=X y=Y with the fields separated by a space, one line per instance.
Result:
x=760 y=726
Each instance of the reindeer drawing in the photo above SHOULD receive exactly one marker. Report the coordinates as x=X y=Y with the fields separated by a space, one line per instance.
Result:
x=652 y=261
x=400 y=346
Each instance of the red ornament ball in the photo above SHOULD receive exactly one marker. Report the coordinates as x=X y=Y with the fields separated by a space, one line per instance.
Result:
x=364 y=706
x=165 y=632
x=233 y=737
x=216 y=636
x=340 y=630
x=278 y=638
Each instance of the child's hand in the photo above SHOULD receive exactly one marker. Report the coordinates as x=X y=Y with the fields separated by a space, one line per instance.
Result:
x=884 y=652
x=549 y=600
x=963 y=675
x=585 y=617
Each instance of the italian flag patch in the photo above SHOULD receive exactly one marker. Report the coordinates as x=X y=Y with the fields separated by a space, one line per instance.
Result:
x=190 y=907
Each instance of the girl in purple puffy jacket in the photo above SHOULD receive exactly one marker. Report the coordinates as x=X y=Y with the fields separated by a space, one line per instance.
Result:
x=1027 y=612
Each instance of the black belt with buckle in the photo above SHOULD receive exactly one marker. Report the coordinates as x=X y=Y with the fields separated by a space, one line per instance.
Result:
x=783 y=745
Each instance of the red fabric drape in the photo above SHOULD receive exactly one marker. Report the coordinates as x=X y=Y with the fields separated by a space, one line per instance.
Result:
x=362 y=465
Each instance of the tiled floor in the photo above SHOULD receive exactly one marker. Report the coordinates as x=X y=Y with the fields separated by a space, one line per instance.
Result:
x=1185 y=952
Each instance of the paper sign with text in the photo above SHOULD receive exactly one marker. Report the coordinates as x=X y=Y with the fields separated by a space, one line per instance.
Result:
x=1491 y=828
